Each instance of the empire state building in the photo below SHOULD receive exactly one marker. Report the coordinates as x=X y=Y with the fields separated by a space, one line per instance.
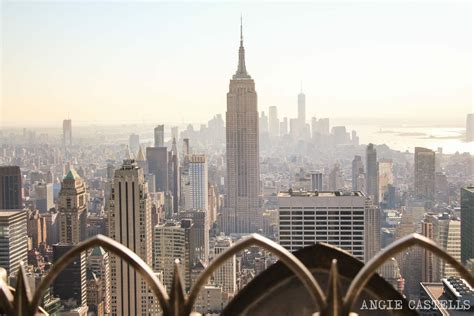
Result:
x=242 y=209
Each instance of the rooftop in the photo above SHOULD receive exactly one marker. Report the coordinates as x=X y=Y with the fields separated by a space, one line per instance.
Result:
x=292 y=193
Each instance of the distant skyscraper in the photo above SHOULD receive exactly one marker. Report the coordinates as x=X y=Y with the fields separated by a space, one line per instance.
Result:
x=357 y=169
x=13 y=239
x=284 y=127
x=129 y=224
x=273 y=121
x=385 y=177
x=72 y=209
x=424 y=173
x=242 y=153
x=159 y=136
x=467 y=224
x=349 y=221
x=196 y=183
x=302 y=108
x=11 y=197
x=43 y=196
x=67 y=133
x=372 y=174
x=470 y=127
x=157 y=158
x=316 y=181
x=134 y=143
x=174 y=174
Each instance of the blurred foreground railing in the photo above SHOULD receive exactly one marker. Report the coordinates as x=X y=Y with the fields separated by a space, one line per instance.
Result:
x=21 y=301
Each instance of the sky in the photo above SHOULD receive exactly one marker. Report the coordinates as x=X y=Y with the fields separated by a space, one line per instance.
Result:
x=118 y=61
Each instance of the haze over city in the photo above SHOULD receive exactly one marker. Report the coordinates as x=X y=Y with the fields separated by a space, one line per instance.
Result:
x=119 y=62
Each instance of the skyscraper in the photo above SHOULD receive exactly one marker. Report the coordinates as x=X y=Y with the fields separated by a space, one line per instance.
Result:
x=159 y=134
x=67 y=133
x=171 y=243
x=273 y=122
x=470 y=127
x=385 y=177
x=10 y=188
x=424 y=173
x=242 y=152
x=157 y=158
x=72 y=209
x=467 y=224
x=129 y=224
x=372 y=173
x=71 y=284
x=346 y=220
x=302 y=108
x=174 y=174
x=99 y=263
x=357 y=169
x=13 y=239
x=134 y=143
x=196 y=183
x=316 y=180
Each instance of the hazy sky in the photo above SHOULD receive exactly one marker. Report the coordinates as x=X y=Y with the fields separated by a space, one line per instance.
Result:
x=151 y=61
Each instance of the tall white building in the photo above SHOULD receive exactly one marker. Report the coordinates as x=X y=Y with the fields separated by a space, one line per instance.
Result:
x=129 y=224
x=13 y=239
x=196 y=183
x=225 y=275
x=99 y=263
x=347 y=220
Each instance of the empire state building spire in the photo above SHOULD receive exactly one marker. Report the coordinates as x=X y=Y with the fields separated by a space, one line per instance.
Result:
x=241 y=70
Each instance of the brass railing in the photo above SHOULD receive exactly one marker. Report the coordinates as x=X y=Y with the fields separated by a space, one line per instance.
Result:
x=21 y=301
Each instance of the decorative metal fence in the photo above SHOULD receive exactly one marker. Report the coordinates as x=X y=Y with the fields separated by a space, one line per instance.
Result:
x=23 y=301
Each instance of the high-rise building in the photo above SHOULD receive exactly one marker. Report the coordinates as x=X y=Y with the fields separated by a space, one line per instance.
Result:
x=302 y=108
x=348 y=220
x=72 y=208
x=173 y=175
x=196 y=183
x=336 y=178
x=273 y=121
x=67 y=133
x=199 y=236
x=424 y=173
x=372 y=174
x=470 y=127
x=171 y=243
x=157 y=158
x=357 y=169
x=129 y=224
x=159 y=134
x=13 y=239
x=284 y=127
x=99 y=263
x=316 y=180
x=445 y=230
x=11 y=197
x=134 y=143
x=225 y=275
x=467 y=224
x=43 y=196
x=385 y=176
x=71 y=284
x=242 y=213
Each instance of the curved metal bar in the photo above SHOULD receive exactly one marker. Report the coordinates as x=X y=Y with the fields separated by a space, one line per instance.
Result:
x=364 y=275
x=6 y=297
x=286 y=257
x=116 y=248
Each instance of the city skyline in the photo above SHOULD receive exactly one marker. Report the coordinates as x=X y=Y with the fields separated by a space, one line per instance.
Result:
x=105 y=79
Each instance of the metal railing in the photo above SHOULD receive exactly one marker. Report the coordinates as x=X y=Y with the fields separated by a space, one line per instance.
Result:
x=21 y=301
